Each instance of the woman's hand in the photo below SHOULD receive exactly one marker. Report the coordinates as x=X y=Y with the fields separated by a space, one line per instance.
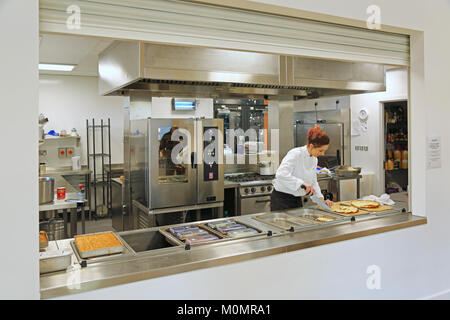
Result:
x=309 y=189
x=329 y=203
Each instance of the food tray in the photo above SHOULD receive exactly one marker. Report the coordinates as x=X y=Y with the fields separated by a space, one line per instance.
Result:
x=126 y=252
x=282 y=220
x=207 y=227
x=314 y=215
x=100 y=251
x=55 y=260
x=172 y=239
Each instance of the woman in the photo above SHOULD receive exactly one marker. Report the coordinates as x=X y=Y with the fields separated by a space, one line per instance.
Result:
x=299 y=168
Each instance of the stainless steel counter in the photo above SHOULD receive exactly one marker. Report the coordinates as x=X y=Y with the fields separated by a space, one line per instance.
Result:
x=229 y=184
x=171 y=260
x=64 y=171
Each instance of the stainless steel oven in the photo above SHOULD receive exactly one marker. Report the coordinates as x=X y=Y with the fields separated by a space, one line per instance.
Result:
x=253 y=193
x=257 y=204
x=176 y=162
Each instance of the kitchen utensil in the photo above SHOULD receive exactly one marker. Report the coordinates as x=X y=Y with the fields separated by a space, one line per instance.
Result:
x=266 y=168
x=316 y=199
x=322 y=204
x=46 y=189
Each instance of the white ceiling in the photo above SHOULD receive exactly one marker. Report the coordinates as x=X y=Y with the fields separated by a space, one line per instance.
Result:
x=80 y=51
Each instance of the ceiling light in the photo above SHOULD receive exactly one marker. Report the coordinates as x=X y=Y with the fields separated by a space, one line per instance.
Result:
x=56 y=67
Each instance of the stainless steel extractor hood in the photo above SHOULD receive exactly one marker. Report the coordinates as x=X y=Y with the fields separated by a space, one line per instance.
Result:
x=170 y=71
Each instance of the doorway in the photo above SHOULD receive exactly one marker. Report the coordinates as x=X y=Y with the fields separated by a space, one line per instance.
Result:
x=396 y=147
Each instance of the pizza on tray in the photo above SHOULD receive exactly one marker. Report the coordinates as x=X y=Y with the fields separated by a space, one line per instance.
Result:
x=365 y=204
x=338 y=208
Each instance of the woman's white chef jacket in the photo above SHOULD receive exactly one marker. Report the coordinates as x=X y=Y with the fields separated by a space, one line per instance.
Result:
x=296 y=168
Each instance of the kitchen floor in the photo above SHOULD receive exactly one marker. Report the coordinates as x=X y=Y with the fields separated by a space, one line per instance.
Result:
x=99 y=225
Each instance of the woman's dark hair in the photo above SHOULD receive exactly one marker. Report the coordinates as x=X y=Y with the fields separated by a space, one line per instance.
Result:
x=317 y=137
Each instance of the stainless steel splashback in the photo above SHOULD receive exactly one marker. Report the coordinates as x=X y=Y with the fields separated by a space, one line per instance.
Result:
x=169 y=70
x=339 y=135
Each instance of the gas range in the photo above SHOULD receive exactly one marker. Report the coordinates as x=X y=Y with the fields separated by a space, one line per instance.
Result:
x=252 y=184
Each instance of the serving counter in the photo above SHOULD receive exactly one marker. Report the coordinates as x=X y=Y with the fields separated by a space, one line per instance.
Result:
x=150 y=255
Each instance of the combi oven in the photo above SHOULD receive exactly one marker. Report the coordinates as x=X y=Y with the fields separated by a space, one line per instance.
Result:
x=176 y=162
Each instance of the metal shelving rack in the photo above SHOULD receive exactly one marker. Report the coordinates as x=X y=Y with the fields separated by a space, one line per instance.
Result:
x=106 y=185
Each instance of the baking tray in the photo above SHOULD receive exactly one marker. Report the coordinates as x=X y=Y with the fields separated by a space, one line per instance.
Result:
x=127 y=251
x=100 y=252
x=283 y=220
x=208 y=228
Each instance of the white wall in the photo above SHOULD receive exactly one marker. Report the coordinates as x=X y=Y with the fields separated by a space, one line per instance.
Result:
x=372 y=160
x=19 y=269
x=414 y=262
x=67 y=101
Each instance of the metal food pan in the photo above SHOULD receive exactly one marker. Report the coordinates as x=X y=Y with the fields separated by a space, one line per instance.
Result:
x=282 y=220
x=56 y=263
x=170 y=237
x=126 y=252
x=208 y=228
x=313 y=215
x=103 y=251
x=175 y=241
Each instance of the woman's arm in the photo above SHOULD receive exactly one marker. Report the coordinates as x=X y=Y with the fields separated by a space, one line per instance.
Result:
x=315 y=184
x=319 y=193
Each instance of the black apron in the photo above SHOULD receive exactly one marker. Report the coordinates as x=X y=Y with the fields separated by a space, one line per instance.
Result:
x=284 y=201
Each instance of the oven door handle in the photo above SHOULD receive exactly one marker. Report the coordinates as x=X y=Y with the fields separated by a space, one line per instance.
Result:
x=193 y=160
x=260 y=201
